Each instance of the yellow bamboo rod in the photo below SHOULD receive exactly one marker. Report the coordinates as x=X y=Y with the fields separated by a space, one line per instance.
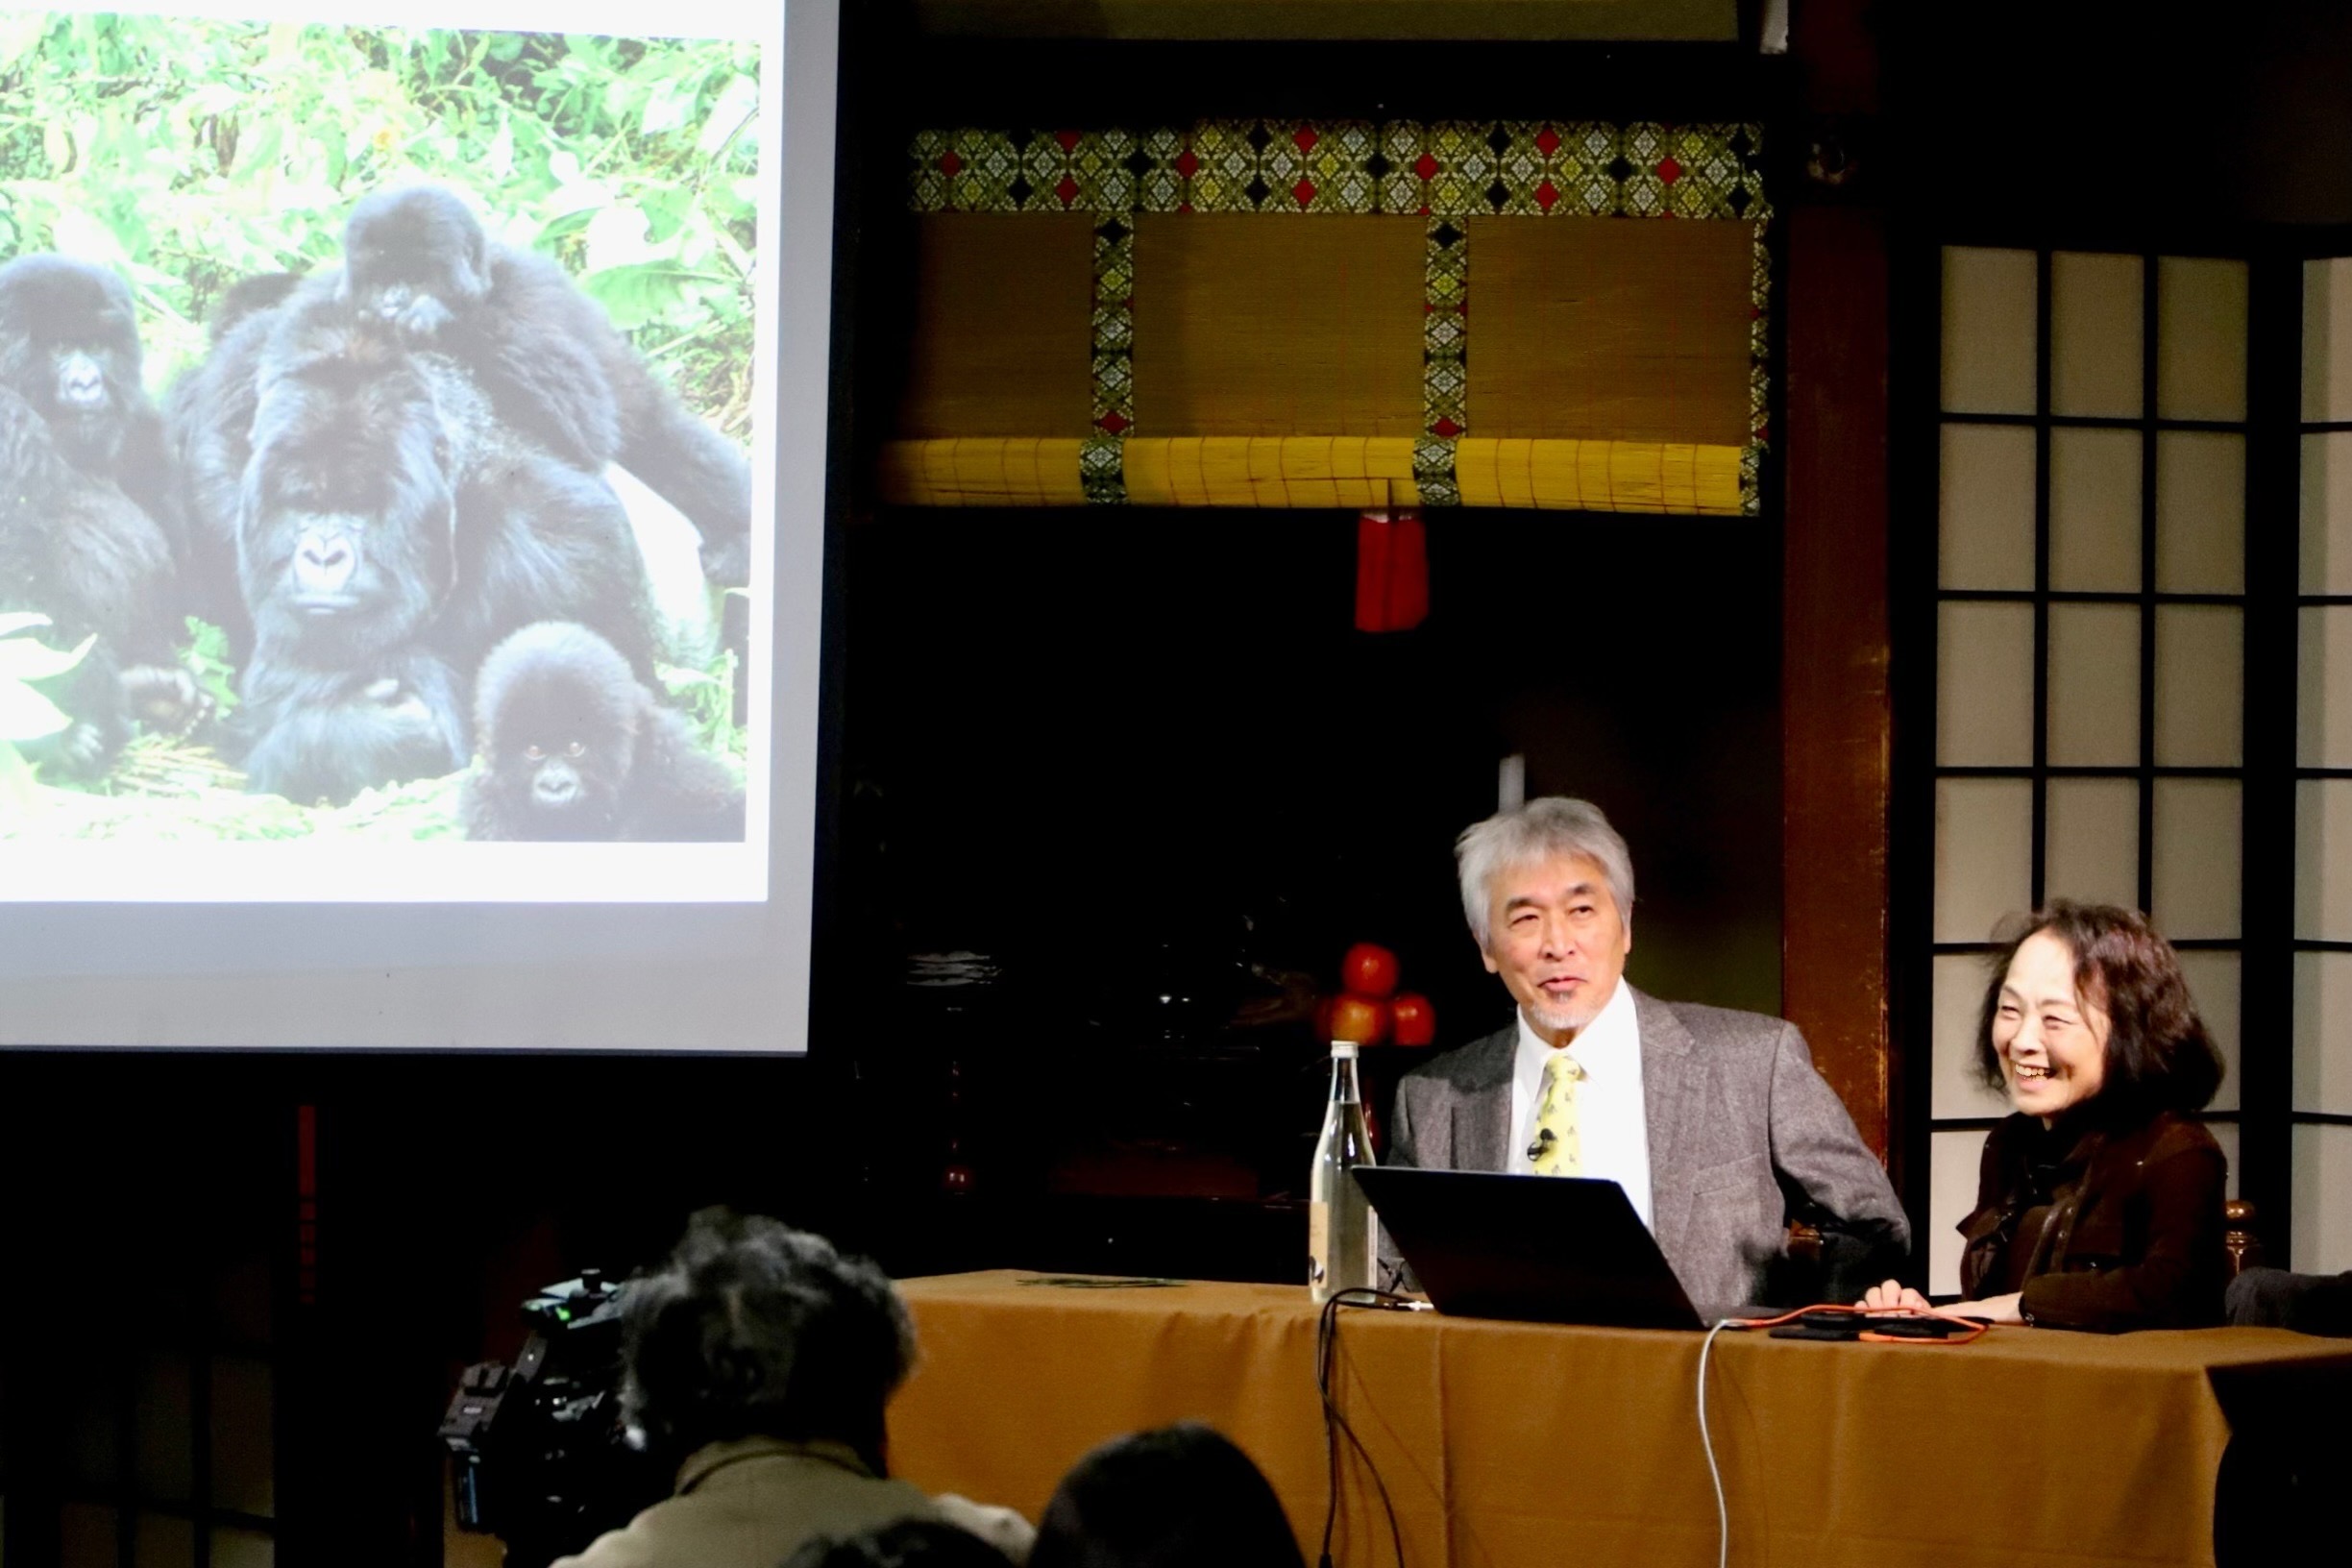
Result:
x=1321 y=472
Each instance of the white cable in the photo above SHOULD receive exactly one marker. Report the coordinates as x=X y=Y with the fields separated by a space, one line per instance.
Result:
x=1723 y=1515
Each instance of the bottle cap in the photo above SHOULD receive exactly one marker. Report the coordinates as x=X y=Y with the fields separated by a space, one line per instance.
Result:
x=1343 y=1050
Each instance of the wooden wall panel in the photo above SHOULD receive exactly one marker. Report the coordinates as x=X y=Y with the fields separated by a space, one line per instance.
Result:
x=1003 y=328
x=1610 y=328
x=1247 y=324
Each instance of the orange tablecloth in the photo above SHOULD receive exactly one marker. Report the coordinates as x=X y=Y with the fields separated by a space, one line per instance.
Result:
x=1525 y=1444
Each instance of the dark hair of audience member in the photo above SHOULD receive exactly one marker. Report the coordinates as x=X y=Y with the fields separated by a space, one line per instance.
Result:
x=1182 y=1495
x=2159 y=1056
x=754 y=1329
x=910 y=1543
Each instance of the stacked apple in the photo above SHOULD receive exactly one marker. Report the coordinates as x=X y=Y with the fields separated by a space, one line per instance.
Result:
x=1369 y=1010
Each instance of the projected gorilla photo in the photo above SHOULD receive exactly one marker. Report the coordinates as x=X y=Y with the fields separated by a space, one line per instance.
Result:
x=344 y=358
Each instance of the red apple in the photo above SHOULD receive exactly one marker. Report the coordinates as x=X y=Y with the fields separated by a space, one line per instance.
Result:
x=1416 y=1021
x=1364 y=1019
x=1369 y=970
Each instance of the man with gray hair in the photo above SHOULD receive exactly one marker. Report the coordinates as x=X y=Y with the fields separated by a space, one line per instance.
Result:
x=1711 y=1120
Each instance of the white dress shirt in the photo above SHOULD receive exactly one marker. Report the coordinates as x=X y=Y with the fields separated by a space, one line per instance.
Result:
x=1612 y=1121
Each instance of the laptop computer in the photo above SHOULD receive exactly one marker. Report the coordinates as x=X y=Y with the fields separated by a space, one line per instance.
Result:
x=1538 y=1249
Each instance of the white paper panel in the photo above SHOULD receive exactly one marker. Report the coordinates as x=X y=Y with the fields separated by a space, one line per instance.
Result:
x=1984 y=685
x=165 y=1542
x=1959 y=996
x=2200 y=685
x=2323 y=1033
x=2213 y=980
x=1985 y=539
x=2091 y=847
x=2327 y=512
x=2323 y=860
x=2322 y=1199
x=243 y=1477
x=1984 y=855
x=2095 y=333
x=2323 y=701
x=2200 y=338
x=1952 y=1161
x=2198 y=854
x=2327 y=339
x=2095 y=511
x=2225 y=1134
x=234 y=1547
x=2094 y=685
x=1988 y=299
x=2200 y=512
x=87 y=1536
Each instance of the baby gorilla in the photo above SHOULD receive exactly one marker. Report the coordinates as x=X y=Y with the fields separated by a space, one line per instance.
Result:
x=547 y=356
x=574 y=747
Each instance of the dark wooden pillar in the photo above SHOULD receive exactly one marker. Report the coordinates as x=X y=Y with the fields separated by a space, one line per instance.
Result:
x=1835 y=715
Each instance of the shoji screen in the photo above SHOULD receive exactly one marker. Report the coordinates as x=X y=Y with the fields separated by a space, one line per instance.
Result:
x=2090 y=640
x=2322 y=1117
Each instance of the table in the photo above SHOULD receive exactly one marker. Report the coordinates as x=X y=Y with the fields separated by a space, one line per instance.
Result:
x=1513 y=1443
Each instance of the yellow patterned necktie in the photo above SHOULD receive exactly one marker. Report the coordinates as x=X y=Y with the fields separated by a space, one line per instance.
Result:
x=1557 y=1150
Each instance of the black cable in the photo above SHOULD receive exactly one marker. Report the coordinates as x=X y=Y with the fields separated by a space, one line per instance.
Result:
x=1335 y=1425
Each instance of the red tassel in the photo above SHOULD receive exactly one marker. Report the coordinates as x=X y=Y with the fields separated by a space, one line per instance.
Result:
x=1392 y=572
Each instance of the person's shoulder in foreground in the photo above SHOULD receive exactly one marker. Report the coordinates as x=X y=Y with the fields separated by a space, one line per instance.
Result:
x=759 y=1359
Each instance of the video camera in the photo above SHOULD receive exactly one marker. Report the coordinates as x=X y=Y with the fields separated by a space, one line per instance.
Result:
x=540 y=1455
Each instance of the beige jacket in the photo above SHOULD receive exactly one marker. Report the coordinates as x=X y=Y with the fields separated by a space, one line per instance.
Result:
x=750 y=1504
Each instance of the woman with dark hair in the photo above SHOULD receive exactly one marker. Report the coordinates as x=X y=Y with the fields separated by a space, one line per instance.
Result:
x=2098 y=1204
x=1180 y=1496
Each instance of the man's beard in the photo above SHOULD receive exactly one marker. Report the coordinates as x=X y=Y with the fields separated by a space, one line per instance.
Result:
x=1572 y=1019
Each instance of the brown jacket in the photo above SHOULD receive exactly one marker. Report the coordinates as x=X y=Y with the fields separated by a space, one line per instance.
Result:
x=2134 y=1235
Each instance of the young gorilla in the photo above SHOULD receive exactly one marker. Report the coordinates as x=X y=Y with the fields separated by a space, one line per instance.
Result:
x=574 y=748
x=553 y=364
x=85 y=522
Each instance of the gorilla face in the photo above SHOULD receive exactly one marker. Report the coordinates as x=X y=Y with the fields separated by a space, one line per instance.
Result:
x=346 y=542
x=559 y=711
x=415 y=258
x=69 y=346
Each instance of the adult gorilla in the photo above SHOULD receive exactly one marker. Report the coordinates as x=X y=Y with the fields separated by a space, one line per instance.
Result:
x=85 y=503
x=547 y=354
x=389 y=531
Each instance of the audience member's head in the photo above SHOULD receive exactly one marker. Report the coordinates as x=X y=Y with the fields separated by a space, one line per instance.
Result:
x=2086 y=1007
x=910 y=1543
x=755 y=1330
x=1175 y=1498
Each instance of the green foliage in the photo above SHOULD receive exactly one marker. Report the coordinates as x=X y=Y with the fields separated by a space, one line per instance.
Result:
x=25 y=714
x=190 y=152
x=206 y=658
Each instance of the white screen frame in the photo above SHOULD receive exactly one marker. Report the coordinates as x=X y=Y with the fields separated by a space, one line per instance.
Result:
x=579 y=953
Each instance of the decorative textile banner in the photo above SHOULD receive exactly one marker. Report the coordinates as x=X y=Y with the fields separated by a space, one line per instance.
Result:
x=1624 y=361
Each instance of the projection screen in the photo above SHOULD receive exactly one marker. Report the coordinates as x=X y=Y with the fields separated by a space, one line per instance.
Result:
x=385 y=392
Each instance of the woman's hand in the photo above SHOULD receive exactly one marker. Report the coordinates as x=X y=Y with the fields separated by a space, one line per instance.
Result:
x=1995 y=1308
x=1892 y=1296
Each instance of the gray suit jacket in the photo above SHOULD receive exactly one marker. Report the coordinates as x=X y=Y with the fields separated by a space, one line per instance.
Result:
x=1732 y=1103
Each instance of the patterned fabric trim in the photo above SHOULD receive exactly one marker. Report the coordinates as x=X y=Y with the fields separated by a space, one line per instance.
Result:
x=1444 y=171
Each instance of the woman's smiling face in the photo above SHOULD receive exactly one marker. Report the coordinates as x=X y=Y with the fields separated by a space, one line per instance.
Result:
x=2051 y=1039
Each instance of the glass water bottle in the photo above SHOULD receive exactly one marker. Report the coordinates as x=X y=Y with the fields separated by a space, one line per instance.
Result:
x=1340 y=1245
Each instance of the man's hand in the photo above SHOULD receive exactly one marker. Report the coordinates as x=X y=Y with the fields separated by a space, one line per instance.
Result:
x=1891 y=1296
